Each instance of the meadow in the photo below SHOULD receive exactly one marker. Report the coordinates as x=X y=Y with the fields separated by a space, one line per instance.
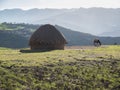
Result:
x=81 y=68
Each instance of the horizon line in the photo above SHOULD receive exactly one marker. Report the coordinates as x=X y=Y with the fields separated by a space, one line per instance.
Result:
x=59 y=8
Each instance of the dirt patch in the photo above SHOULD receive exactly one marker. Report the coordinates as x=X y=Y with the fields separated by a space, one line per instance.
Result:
x=83 y=47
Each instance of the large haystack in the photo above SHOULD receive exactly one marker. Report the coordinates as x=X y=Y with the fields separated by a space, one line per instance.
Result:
x=47 y=37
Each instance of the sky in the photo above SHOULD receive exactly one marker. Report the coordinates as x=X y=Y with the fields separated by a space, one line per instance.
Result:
x=28 y=4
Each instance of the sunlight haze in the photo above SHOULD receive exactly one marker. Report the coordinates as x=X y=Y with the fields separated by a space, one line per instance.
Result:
x=28 y=4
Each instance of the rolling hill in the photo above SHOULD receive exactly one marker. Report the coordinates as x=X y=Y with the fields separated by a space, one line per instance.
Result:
x=17 y=36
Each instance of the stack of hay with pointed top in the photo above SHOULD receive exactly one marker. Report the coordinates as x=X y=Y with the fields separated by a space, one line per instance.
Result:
x=47 y=37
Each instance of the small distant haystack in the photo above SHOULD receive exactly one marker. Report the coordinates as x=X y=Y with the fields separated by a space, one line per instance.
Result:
x=47 y=37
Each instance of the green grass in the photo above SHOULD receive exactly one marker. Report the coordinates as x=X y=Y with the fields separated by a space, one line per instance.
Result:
x=81 y=69
x=9 y=28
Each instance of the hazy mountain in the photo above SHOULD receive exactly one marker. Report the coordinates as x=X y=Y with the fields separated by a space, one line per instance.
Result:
x=113 y=33
x=27 y=16
x=91 y=20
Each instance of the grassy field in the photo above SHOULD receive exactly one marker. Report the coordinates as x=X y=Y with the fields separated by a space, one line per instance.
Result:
x=81 y=68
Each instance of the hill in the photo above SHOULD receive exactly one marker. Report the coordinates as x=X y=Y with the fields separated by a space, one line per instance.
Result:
x=17 y=36
x=75 y=37
x=11 y=40
x=79 y=38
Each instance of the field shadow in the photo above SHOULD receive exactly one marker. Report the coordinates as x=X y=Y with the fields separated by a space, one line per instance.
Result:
x=33 y=51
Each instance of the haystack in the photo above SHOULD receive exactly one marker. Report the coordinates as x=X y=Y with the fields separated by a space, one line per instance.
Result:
x=47 y=37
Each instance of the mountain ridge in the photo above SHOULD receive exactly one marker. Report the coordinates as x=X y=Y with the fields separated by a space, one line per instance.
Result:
x=89 y=20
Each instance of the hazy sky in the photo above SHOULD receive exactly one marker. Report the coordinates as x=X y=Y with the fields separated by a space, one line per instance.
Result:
x=27 y=4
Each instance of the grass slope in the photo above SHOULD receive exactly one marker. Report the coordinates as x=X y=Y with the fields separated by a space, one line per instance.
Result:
x=70 y=69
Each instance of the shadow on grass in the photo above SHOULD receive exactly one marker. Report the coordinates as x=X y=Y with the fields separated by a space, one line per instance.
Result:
x=33 y=51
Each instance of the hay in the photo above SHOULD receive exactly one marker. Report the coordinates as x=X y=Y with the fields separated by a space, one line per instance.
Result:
x=47 y=37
